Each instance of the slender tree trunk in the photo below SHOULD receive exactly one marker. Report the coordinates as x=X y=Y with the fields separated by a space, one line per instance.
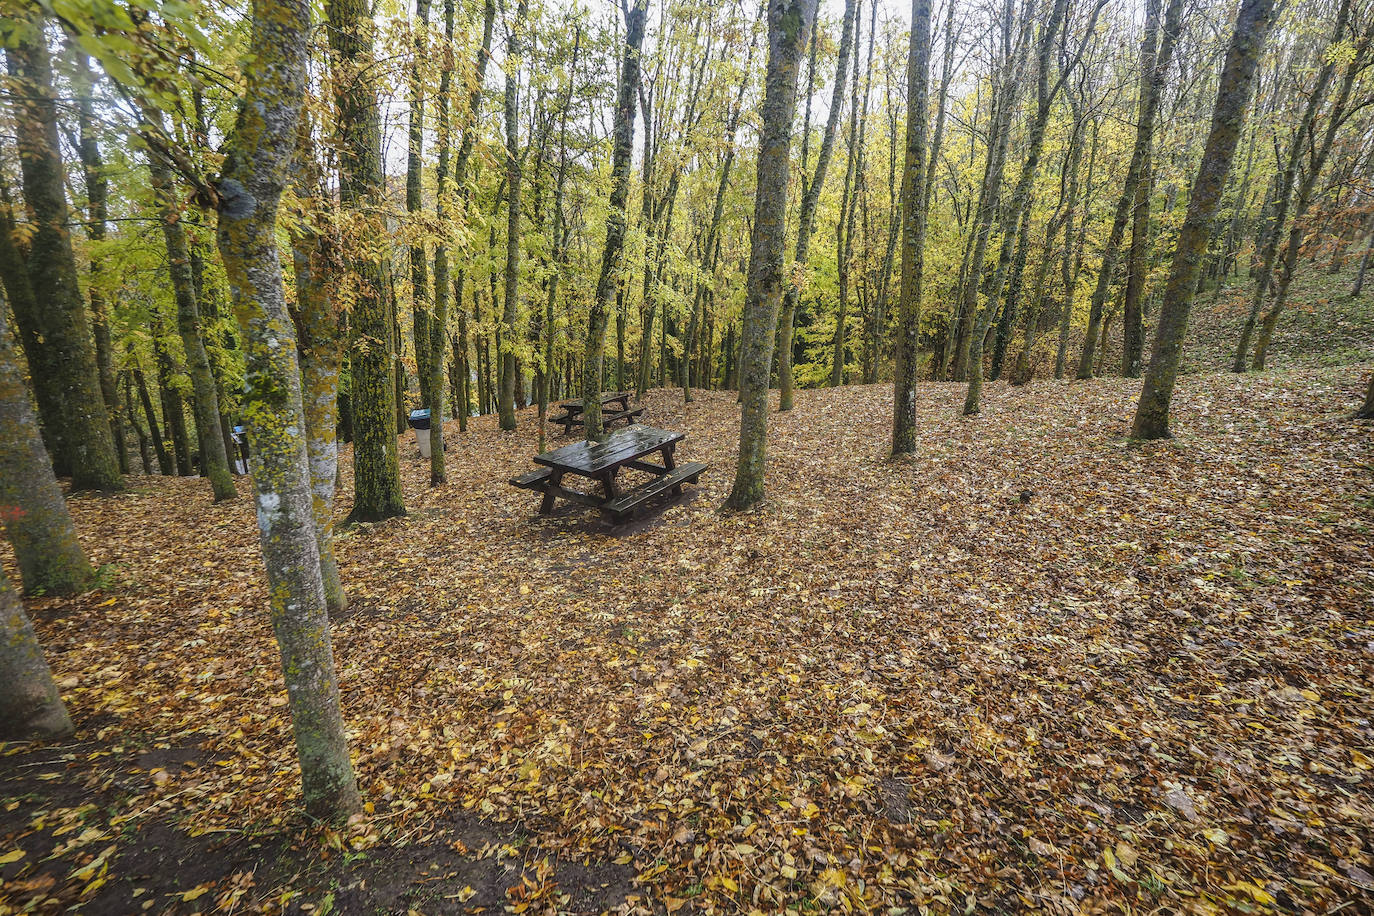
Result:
x=214 y=462
x=511 y=307
x=612 y=253
x=914 y=213
x=373 y=401
x=31 y=505
x=1154 y=62
x=173 y=412
x=256 y=169
x=789 y=26
x=806 y=217
x=1316 y=161
x=82 y=443
x=164 y=460
x=419 y=272
x=143 y=453
x=854 y=167
x=1364 y=260
x=97 y=206
x=1133 y=313
x=1273 y=229
x=1228 y=119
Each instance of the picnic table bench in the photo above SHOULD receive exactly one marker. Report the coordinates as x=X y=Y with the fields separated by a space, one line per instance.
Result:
x=602 y=461
x=573 y=409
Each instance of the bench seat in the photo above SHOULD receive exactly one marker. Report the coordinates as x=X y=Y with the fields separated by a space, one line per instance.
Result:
x=534 y=480
x=626 y=503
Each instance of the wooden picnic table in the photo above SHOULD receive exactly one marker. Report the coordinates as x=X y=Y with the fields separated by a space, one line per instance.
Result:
x=601 y=462
x=573 y=410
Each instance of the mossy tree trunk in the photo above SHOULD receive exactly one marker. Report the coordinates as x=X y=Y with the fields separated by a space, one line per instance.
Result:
x=914 y=184
x=320 y=341
x=30 y=706
x=1228 y=119
x=789 y=27
x=612 y=252
x=258 y=163
x=376 y=464
x=811 y=195
x=82 y=443
x=214 y=462
x=31 y=505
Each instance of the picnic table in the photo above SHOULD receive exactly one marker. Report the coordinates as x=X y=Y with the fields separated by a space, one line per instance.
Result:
x=601 y=462
x=573 y=409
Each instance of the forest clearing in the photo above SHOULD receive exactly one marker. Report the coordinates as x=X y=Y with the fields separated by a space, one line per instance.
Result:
x=664 y=456
x=902 y=684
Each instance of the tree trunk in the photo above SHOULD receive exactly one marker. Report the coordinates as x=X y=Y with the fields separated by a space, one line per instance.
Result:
x=173 y=411
x=811 y=195
x=914 y=213
x=256 y=169
x=31 y=505
x=132 y=414
x=1283 y=188
x=164 y=460
x=789 y=26
x=1228 y=118
x=373 y=402
x=511 y=306
x=611 y=254
x=1366 y=411
x=1154 y=62
x=1364 y=261
x=419 y=273
x=30 y=706
x=214 y=462
x=97 y=206
x=1133 y=313
x=1306 y=191
x=82 y=443
x=320 y=341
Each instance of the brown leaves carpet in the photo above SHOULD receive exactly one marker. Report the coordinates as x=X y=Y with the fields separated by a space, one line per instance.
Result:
x=1036 y=668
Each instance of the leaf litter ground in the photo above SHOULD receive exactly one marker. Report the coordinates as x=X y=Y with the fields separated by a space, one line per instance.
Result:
x=1035 y=668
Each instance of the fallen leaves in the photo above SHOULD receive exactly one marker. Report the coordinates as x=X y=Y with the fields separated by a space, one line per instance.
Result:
x=901 y=685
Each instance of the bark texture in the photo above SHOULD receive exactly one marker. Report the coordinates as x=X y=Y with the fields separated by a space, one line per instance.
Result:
x=82 y=443
x=31 y=505
x=1228 y=119
x=30 y=706
x=376 y=464
x=259 y=160
x=914 y=184
x=789 y=26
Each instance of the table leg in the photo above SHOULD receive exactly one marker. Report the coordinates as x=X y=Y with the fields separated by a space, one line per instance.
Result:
x=608 y=484
x=550 y=488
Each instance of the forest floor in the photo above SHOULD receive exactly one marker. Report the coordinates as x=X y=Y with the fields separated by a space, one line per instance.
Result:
x=1038 y=667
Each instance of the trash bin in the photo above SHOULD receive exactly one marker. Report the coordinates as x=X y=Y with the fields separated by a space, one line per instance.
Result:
x=419 y=421
x=240 y=461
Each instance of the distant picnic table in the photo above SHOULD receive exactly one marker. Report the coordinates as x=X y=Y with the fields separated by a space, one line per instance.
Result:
x=601 y=462
x=573 y=409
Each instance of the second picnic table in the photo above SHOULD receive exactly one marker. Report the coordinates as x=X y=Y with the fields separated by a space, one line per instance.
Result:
x=573 y=410
x=602 y=461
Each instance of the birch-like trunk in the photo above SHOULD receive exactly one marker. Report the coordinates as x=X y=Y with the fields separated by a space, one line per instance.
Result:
x=257 y=167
